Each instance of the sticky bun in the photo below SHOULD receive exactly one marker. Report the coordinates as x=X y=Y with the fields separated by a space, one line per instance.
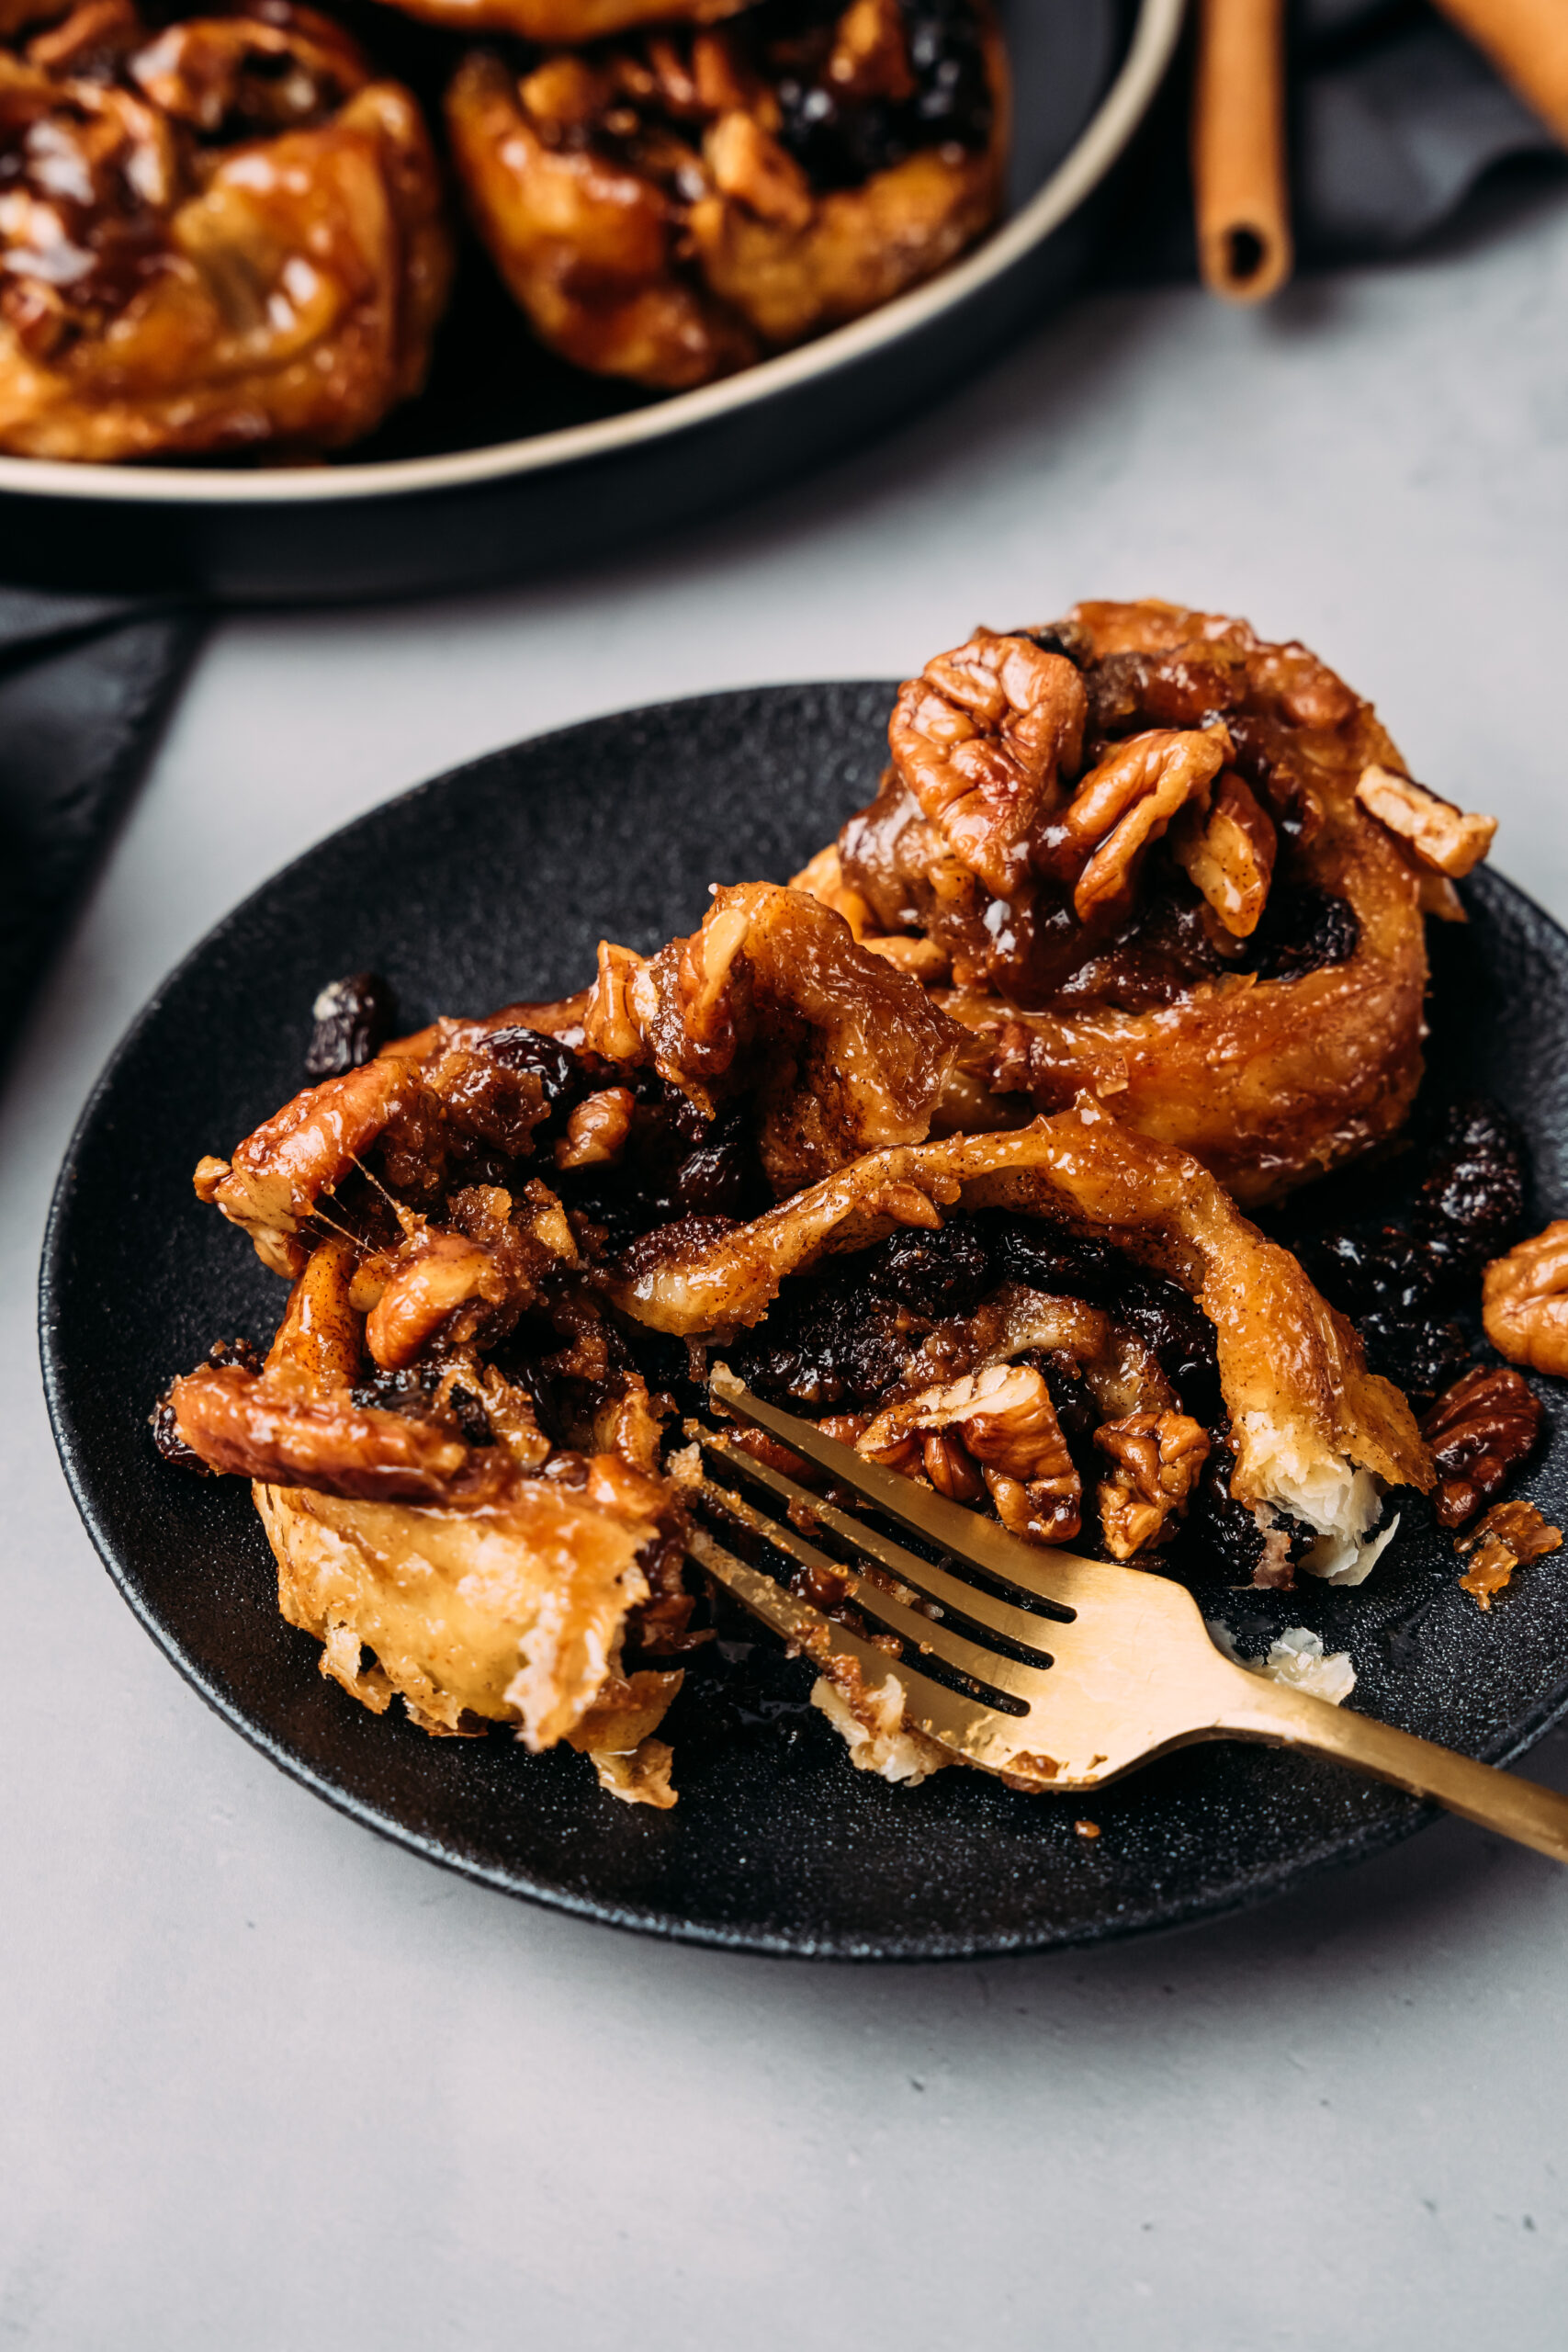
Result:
x=673 y=206
x=514 y=1243
x=1147 y=855
x=222 y=234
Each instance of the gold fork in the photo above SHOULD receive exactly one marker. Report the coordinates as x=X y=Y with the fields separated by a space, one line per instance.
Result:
x=1120 y=1670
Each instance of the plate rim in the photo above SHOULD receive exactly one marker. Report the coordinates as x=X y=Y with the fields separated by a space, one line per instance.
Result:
x=927 y=1945
x=1098 y=147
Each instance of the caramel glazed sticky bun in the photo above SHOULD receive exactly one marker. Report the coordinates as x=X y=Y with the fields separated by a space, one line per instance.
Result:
x=515 y=1244
x=671 y=205
x=1144 y=853
x=224 y=234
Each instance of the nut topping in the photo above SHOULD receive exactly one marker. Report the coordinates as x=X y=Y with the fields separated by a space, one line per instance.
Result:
x=1479 y=1430
x=1158 y=1458
x=997 y=1427
x=1510 y=1535
x=1228 y=854
x=1443 y=837
x=1524 y=1301
x=1127 y=802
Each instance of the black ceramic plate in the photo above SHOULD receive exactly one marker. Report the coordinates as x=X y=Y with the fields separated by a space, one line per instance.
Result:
x=510 y=462
x=494 y=883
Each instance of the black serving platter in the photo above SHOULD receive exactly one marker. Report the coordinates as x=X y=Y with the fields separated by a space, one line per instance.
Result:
x=494 y=883
x=511 y=463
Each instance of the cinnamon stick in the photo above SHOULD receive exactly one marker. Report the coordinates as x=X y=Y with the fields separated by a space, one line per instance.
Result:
x=1238 y=147
x=1527 y=42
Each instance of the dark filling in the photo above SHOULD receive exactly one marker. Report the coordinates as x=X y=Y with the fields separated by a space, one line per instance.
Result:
x=840 y=136
x=1400 y=1255
x=841 y=141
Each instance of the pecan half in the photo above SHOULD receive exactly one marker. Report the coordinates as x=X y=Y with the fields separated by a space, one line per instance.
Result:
x=997 y=1427
x=1510 y=1535
x=1524 y=1301
x=1123 y=805
x=979 y=737
x=1449 y=840
x=1479 y=1430
x=1158 y=1458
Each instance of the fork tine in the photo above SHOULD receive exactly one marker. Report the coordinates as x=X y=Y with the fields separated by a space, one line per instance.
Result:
x=937 y=1583
x=1017 y=1680
x=967 y=1724
x=984 y=1543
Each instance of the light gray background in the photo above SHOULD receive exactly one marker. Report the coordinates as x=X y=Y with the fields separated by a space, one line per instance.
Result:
x=268 y=2082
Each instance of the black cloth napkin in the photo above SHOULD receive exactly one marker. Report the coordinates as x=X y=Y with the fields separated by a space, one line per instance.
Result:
x=86 y=683
x=1396 y=121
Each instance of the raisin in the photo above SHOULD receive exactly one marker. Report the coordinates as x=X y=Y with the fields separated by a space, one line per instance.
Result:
x=171 y=1445
x=1180 y=1337
x=932 y=1273
x=829 y=1347
x=1387 y=1271
x=1045 y=1257
x=1301 y=930
x=354 y=1019
x=1420 y=1355
x=1472 y=1205
x=532 y=1052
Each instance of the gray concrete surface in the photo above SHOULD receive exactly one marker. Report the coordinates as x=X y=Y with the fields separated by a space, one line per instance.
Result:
x=269 y=2083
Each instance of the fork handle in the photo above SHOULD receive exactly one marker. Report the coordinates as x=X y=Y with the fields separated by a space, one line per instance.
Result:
x=1523 y=1810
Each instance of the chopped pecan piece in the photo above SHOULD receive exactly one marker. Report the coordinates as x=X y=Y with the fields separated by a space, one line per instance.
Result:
x=1443 y=837
x=1228 y=854
x=997 y=1427
x=1525 y=1301
x=1158 y=1458
x=1510 y=1535
x=597 y=1130
x=1479 y=1430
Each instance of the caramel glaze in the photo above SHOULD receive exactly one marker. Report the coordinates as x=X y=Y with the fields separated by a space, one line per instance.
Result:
x=225 y=235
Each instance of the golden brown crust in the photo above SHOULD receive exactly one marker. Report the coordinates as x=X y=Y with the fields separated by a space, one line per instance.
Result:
x=641 y=205
x=257 y=252
x=1268 y=1081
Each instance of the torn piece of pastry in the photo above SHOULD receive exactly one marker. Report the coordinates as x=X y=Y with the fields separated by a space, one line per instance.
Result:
x=1145 y=853
x=455 y=1449
x=673 y=206
x=222 y=235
